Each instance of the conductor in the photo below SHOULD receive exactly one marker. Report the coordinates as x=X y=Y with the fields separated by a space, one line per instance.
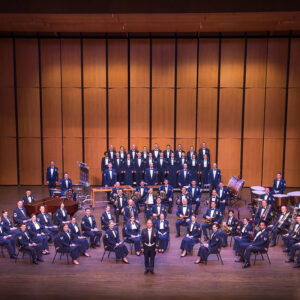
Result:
x=149 y=246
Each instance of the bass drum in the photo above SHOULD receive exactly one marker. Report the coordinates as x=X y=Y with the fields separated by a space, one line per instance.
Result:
x=235 y=186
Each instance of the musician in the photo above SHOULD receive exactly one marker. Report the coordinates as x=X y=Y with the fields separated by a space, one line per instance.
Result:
x=184 y=213
x=214 y=198
x=61 y=216
x=204 y=169
x=77 y=237
x=194 y=168
x=193 y=235
x=113 y=240
x=211 y=216
x=223 y=196
x=182 y=161
x=89 y=228
x=37 y=235
x=145 y=153
x=139 y=168
x=268 y=196
x=151 y=175
x=279 y=184
x=110 y=176
x=292 y=237
x=104 y=163
x=245 y=229
x=161 y=166
x=178 y=152
x=172 y=170
x=20 y=215
x=118 y=166
x=184 y=176
x=106 y=218
x=150 y=201
x=47 y=226
x=214 y=177
x=190 y=154
x=29 y=245
x=128 y=170
x=183 y=195
x=122 y=153
x=65 y=243
x=130 y=210
x=133 y=152
x=292 y=254
x=162 y=227
x=231 y=226
x=204 y=151
x=157 y=210
x=149 y=160
x=260 y=243
x=8 y=226
x=281 y=225
x=7 y=240
x=28 y=197
x=140 y=194
x=168 y=192
x=111 y=152
x=120 y=203
x=155 y=152
x=167 y=152
x=133 y=234
x=195 y=194
x=65 y=184
x=52 y=177
x=149 y=242
x=116 y=188
x=264 y=213
x=213 y=245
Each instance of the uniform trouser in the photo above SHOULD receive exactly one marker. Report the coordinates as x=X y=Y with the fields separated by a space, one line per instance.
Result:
x=163 y=241
x=275 y=233
x=169 y=203
x=203 y=253
x=51 y=185
x=42 y=240
x=292 y=252
x=205 y=226
x=139 y=202
x=178 y=224
x=197 y=202
x=149 y=256
x=224 y=236
x=121 y=251
x=238 y=240
x=82 y=243
x=9 y=243
x=249 y=250
x=148 y=211
x=51 y=232
x=288 y=241
x=137 y=243
x=118 y=213
x=74 y=252
x=35 y=251
x=94 y=237
x=188 y=244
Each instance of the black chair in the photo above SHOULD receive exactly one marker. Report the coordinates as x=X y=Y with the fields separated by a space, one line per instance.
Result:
x=2 y=248
x=107 y=248
x=24 y=252
x=265 y=251
x=218 y=253
x=59 y=250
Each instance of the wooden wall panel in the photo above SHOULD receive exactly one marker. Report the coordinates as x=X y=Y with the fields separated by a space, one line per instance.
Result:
x=139 y=63
x=94 y=63
x=232 y=63
x=293 y=120
x=292 y=162
x=7 y=112
x=208 y=62
x=187 y=63
x=8 y=174
x=6 y=63
x=50 y=62
x=294 y=79
x=163 y=63
x=211 y=144
x=71 y=62
x=139 y=117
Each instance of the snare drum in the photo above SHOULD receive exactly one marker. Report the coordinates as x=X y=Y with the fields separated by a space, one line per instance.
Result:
x=294 y=197
x=280 y=199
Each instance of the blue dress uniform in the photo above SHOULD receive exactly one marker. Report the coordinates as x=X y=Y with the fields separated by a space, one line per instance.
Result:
x=143 y=192
x=121 y=203
x=214 y=178
x=216 y=217
x=35 y=251
x=130 y=211
x=111 y=154
x=65 y=185
x=190 y=155
x=172 y=169
x=133 y=229
x=75 y=232
x=8 y=242
x=215 y=199
x=28 y=199
x=181 y=196
x=163 y=231
x=292 y=253
x=148 y=161
x=223 y=195
x=139 y=168
x=169 y=196
x=150 y=201
x=104 y=165
x=45 y=221
x=118 y=166
x=109 y=177
x=52 y=178
x=34 y=228
x=269 y=198
x=105 y=219
x=178 y=154
x=20 y=216
x=161 y=166
x=113 y=238
x=280 y=226
x=133 y=153
x=194 y=231
x=204 y=169
x=158 y=209
x=145 y=155
x=259 y=216
x=292 y=238
x=186 y=212
x=194 y=168
x=233 y=223
x=204 y=151
x=65 y=241
x=128 y=169
x=8 y=227
x=195 y=193
x=151 y=176
x=279 y=186
x=184 y=178
x=213 y=245
x=245 y=235
x=88 y=223
x=167 y=154
x=155 y=154
x=61 y=216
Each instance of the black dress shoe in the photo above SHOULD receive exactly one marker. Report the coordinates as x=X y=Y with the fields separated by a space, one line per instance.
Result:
x=197 y=262
x=273 y=245
x=146 y=272
x=35 y=262
x=285 y=250
x=296 y=266
x=125 y=262
x=246 y=265
x=14 y=257
x=239 y=260
x=289 y=260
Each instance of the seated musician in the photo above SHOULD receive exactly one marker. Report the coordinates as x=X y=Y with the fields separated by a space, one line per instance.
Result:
x=264 y=213
x=133 y=234
x=259 y=243
x=150 y=201
x=113 y=240
x=7 y=240
x=114 y=191
x=293 y=237
x=204 y=151
x=7 y=224
x=214 y=244
x=66 y=244
x=145 y=153
x=157 y=210
x=20 y=216
x=204 y=169
x=128 y=170
x=47 y=225
x=268 y=196
x=37 y=235
x=28 y=197
x=223 y=196
x=279 y=184
x=161 y=166
x=65 y=184
x=195 y=194
x=167 y=191
x=162 y=227
x=106 y=217
x=184 y=176
x=110 y=176
x=140 y=195
x=214 y=177
x=172 y=170
x=230 y=227
x=139 y=168
x=27 y=244
x=130 y=210
x=245 y=229
x=183 y=195
x=52 y=177
x=191 y=153
x=155 y=152
x=61 y=216
x=193 y=235
x=117 y=165
x=151 y=175
x=214 y=198
x=211 y=216
x=281 y=225
x=167 y=152
x=89 y=228
x=120 y=203
x=291 y=255
x=77 y=237
x=184 y=213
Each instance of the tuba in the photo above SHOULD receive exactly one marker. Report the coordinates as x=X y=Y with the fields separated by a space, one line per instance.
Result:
x=136 y=196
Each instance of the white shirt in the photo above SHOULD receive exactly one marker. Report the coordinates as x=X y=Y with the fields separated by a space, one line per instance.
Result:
x=161 y=225
x=108 y=215
x=221 y=193
x=151 y=172
x=212 y=211
x=166 y=189
x=68 y=234
x=193 y=191
x=158 y=209
x=29 y=199
x=179 y=153
x=230 y=221
x=63 y=212
x=139 y=161
x=110 y=173
x=91 y=222
x=122 y=154
x=76 y=228
x=106 y=160
x=156 y=153
x=133 y=226
x=128 y=162
x=121 y=201
x=172 y=161
x=150 y=199
x=184 y=209
x=262 y=211
x=150 y=160
x=214 y=172
x=45 y=218
x=161 y=161
x=203 y=151
x=27 y=235
x=193 y=162
x=184 y=172
x=266 y=197
x=278 y=183
x=133 y=153
x=149 y=235
x=244 y=228
x=213 y=199
x=67 y=183
x=205 y=163
x=51 y=171
x=36 y=225
x=145 y=155
x=258 y=234
x=168 y=153
x=142 y=191
x=192 y=226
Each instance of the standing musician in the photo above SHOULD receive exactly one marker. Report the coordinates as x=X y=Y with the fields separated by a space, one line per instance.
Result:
x=155 y=152
x=204 y=169
x=7 y=224
x=117 y=165
x=183 y=195
x=223 y=196
x=172 y=170
x=145 y=153
x=204 y=151
x=122 y=153
x=264 y=213
x=163 y=230
x=28 y=197
x=184 y=213
x=179 y=152
x=140 y=195
x=133 y=234
x=130 y=210
x=195 y=194
x=230 y=227
x=20 y=216
x=214 y=177
x=268 y=196
x=161 y=166
x=157 y=210
x=61 y=216
x=65 y=184
x=279 y=184
x=149 y=242
x=149 y=160
x=211 y=216
x=52 y=177
x=128 y=170
x=191 y=153
x=104 y=163
x=167 y=152
x=167 y=191
x=194 y=168
x=133 y=152
x=7 y=240
x=245 y=233
x=139 y=168
x=110 y=176
x=150 y=201
x=151 y=175
x=193 y=234
x=111 y=152
x=181 y=161
x=120 y=203
x=292 y=237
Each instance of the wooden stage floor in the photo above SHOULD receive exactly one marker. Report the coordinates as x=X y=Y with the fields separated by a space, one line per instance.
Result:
x=174 y=277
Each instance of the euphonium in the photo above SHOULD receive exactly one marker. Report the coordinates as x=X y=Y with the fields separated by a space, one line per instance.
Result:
x=204 y=220
x=162 y=195
x=137 y=196
x=226 y=228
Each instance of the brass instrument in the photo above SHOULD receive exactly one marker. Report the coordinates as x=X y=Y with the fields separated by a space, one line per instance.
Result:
x=136 y=196
x=283 y=219
x=162 y=195
x=296 y=233
x=296 y=212
x=209 y=222
x=183 y=218
x=226 y=228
